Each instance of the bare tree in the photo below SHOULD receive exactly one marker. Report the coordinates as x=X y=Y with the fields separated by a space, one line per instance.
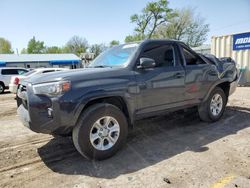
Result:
x=97 y=49
x=187 y=27
x=76 y=45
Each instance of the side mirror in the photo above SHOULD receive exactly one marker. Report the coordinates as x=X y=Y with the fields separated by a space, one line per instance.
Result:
x=146 y=63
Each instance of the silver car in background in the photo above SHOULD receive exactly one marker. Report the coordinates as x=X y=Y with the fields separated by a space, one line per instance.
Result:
x=15 y=80
x=6 y=73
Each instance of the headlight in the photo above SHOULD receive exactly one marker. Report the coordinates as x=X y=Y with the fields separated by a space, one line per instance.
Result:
x=52 y=88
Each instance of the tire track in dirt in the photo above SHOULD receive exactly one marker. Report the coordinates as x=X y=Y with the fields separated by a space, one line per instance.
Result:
x=30 y=170
x=50 y=158
x=27 y=143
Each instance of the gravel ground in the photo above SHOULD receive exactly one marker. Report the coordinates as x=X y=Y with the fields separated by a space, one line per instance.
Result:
x=177 y=150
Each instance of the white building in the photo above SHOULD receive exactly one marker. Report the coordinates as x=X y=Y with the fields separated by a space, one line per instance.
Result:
x=40 y=60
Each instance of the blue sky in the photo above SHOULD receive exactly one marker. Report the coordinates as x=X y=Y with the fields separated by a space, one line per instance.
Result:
x=100 y=21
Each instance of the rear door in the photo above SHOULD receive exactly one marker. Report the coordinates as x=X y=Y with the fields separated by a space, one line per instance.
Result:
x=199 y=75
x=161 y=87
x=7 y=74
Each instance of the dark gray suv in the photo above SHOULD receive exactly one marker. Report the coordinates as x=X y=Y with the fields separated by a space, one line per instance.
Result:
x=98 y=104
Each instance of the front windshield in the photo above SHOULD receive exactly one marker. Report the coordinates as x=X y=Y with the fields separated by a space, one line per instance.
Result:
x=117 y=56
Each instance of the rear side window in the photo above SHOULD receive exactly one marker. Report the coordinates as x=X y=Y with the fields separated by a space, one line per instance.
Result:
x=21 y=71
x=9 y=72
x=190 y=58
x=162 y=54
x=47 y=71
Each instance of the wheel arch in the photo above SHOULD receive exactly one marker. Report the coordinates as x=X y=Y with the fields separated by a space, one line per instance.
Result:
x=2 y=83
x=224 y=85
x=117 y=101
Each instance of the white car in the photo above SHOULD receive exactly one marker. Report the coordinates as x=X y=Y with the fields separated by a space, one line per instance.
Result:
x=15 y=80
x=6 y=73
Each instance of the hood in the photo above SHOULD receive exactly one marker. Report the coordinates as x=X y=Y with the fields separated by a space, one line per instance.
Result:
x=71 y=75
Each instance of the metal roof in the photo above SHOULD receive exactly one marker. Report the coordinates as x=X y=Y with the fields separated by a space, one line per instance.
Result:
x=37 y=57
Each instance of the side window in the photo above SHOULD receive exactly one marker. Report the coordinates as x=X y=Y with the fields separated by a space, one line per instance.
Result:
x=21 y=71
x=47 y=71
x=162 y=54
x=190 y=58
x=9 y=72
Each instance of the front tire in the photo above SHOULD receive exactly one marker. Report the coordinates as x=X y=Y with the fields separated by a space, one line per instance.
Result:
x=100 y=131
x=213 y=108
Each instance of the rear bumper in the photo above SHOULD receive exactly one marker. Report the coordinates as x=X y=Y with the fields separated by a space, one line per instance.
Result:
x=233 y=85
x=13 y=88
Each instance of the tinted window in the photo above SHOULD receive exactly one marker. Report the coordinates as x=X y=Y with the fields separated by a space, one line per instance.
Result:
x=9 y=72
x=48 y=71
x=162 y=54
x=190 y=58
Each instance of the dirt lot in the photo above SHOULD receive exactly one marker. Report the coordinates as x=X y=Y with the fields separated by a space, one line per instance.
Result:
x=171 y=151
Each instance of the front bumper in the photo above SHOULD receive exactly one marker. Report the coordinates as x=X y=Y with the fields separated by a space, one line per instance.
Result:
x=23 y=115
x=42 y=114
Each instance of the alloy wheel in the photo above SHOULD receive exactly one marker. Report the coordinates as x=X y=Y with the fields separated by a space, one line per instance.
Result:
x=104 y=133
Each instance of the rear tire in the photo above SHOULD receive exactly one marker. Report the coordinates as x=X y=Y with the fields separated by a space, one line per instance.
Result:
x=2 y=88
x=213 y=108
x=100 y=131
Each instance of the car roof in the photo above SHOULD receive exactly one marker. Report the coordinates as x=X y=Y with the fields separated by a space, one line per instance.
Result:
x=153 y=40
x=162 y=40
x=42 y=69
x=12 y=68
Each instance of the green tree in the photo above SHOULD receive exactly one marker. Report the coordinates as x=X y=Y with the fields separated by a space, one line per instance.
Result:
x=5 y=46
x=97 y=49
x=152 y=16
x=35 y=46
x=76 y=45
x=187 y=27
x=114 y=43
x=24 y=51
x=54 y=50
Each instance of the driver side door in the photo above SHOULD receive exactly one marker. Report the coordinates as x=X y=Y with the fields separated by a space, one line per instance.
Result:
x=160 y=87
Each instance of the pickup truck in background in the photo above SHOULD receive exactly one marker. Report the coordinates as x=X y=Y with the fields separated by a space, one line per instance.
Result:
x=128 y=82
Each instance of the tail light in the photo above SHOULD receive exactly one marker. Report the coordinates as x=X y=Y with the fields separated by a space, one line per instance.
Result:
x=16 y=81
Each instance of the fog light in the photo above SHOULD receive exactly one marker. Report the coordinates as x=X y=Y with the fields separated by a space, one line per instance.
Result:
x=50 y=113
